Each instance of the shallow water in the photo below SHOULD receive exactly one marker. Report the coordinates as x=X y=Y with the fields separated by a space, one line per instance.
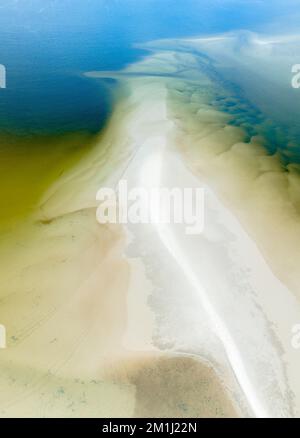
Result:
x=232 y=108
x=47 y=46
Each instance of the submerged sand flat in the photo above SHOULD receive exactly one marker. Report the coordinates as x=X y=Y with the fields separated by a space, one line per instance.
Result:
x=66 y=302
x=144 y=320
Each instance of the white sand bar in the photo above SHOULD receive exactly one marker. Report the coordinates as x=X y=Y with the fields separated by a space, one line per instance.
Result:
x=143 y=319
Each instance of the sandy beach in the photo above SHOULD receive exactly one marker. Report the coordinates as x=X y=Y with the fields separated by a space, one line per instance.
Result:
x=143 y=320
x=75 y=306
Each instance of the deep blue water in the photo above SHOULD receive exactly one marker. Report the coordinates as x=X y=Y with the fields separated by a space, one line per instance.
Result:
x=46 y=45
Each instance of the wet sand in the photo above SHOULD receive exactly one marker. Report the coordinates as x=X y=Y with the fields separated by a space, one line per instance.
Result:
x=244 y=267
x=133 y=321
x=65 y=287
x=180 y=387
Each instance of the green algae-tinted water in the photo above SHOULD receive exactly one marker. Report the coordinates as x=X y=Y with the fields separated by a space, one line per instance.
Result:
x=49 y=111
